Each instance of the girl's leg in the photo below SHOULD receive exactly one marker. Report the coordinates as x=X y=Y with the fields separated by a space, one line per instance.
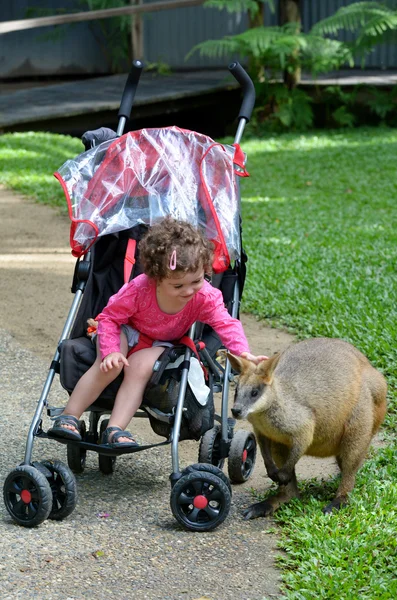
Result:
x=92 y=384
x=129 y=397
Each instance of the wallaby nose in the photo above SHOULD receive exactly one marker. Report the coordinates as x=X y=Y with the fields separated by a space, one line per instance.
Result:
x=236 y=411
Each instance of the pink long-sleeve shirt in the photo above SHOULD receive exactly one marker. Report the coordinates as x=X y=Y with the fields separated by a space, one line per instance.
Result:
x=136 y=305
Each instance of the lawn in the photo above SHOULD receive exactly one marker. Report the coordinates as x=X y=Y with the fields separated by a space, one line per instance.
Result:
x=319 y=214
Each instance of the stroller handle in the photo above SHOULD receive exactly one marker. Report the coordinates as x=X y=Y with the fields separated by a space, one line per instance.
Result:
x=130 y=88
x=247 y=85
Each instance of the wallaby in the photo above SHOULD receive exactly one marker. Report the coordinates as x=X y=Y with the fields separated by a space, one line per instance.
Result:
x=320 y=397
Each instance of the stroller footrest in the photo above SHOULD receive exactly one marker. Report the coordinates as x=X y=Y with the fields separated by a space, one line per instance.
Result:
x=102 y=448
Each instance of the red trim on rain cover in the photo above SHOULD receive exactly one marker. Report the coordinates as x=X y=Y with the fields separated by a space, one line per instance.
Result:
x=239 y=160
x=77 y=250
x=221 y=255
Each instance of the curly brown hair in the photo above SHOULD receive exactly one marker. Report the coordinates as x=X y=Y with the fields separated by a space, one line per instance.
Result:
x=193 y=251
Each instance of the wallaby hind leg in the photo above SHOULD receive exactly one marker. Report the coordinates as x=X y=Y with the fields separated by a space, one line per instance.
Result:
x=351 y=456
x=285 y=492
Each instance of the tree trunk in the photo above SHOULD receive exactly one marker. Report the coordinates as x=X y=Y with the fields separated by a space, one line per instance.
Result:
x=289 y=12
x=258 y=19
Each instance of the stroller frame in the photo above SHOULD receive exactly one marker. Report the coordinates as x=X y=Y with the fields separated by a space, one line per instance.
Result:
x=220 y=443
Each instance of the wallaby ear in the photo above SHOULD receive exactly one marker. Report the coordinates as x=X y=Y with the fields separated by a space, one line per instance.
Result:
x=238 y=364
x=266 y=368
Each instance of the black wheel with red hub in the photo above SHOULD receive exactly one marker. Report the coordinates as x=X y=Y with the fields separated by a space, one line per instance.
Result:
x=209 y=450
x=75 y=454
x=27 y=496
x=200 y=501
x=106 y=463
x=242 y=455
x=64 y=489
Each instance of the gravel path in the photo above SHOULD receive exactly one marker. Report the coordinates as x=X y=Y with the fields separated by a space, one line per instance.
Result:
x=138 y=551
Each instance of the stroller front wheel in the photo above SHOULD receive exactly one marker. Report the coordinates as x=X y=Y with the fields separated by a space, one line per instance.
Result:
x=200 y=501
x=209 y=469
x=27 y=496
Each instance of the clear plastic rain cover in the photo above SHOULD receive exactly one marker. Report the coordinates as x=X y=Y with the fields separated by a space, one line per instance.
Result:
x=146 y=175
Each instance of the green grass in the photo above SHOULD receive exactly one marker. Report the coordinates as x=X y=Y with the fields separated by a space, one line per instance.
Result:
x=28 y=161
x=319 y=219
x=319 y=225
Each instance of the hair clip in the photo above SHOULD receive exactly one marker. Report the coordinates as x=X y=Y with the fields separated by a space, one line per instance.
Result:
x=173 y=261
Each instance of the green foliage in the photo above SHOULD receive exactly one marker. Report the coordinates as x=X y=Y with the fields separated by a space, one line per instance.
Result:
x=239 y=6
x=382 y=103
x=160 y=67
x=280 y=109
x=373 y=23
x=272 y=49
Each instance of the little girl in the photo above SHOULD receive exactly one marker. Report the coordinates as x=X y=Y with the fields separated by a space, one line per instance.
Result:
x=148 y=313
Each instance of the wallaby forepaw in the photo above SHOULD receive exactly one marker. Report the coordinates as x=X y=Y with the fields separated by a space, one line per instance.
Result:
x=259 y=509
x=281 y=477
x=273 y=475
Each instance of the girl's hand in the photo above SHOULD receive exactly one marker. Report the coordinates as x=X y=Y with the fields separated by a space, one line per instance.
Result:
x=252 y=358
x=113 y=360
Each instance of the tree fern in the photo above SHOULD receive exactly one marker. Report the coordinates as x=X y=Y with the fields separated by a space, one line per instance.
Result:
x=360 y=15
x=240 y=6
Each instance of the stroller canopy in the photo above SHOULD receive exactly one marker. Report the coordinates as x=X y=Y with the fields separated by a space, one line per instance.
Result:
x=143 y=176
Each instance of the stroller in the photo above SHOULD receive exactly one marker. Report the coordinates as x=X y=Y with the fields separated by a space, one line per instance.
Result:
x=115 y=190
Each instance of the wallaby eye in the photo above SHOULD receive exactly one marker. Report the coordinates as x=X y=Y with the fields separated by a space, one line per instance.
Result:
x=254 y=393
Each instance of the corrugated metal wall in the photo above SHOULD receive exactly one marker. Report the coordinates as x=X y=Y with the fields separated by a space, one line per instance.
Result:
x=168 y=37
x=31 y=52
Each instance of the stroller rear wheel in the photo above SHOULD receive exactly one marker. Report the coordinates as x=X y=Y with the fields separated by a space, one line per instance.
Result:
x=77 y=456
x=27 y=496
x=106 y=463
x=200 y=501
x=242 y=455
x=209 y=450
x=64 y=490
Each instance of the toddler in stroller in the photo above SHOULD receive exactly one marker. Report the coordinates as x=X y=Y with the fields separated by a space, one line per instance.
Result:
x=149 y=312
x=177 y=190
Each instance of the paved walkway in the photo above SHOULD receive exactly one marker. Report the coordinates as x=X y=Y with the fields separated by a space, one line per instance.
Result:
x=103 y=94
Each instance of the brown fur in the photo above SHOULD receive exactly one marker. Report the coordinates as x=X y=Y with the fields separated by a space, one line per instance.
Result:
x=320 y=397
